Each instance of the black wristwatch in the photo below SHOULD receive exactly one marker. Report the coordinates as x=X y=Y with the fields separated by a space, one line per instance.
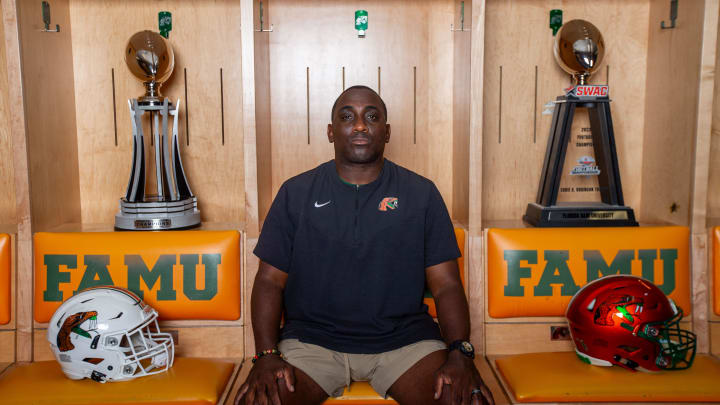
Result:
x=464 y=346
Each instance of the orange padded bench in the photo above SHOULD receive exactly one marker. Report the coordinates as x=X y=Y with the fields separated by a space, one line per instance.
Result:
x=716 y=270
x=189 y=382
x=5 y=268
x=7 y=330
x=561 y=377
x=184 y=275
x=715 y=292
x=531 y=275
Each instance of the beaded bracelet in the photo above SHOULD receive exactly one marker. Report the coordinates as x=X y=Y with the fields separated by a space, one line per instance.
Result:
x=265 y=353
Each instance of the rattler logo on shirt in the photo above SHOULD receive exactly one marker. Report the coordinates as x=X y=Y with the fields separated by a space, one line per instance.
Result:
x=388 y=202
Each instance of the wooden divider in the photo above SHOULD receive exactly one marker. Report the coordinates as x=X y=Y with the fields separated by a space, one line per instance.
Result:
x=671 y=113
x=7 y=178
x=709 y=207
x=49 y=100
x=461 y=110
x=263 y=118
x=713 y=196
x=22 y=224
x=700 y=191
x=7 y=204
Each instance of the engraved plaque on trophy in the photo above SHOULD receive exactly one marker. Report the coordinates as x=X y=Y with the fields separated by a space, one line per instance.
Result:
x=579 y=49
x=158 y=195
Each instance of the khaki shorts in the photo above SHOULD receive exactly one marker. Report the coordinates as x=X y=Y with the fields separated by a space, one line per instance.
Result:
x=332 y=370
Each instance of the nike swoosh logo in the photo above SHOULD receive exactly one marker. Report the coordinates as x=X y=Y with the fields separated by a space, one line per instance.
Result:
x=321 y=205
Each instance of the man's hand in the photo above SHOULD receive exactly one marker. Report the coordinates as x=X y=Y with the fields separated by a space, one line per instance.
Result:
x=461 y=378
x=261 y=385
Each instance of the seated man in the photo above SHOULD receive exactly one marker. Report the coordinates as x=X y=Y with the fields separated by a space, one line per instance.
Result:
x=346 y=251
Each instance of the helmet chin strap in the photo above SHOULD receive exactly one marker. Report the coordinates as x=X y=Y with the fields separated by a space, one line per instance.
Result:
x=626 y=362
x=98 y=376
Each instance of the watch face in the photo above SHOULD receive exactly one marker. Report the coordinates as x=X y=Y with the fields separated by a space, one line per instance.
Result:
x=466 y=347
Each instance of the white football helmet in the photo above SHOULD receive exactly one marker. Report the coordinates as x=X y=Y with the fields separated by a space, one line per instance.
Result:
x=108 y=334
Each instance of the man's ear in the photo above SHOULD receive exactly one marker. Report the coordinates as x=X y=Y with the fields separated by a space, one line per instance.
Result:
x=387 y=133
x=331 y=136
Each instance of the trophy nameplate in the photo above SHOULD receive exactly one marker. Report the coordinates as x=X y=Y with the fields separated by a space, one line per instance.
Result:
x=578 y=49
x=158 y=195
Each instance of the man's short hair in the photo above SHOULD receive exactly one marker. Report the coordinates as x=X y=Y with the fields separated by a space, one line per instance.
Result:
x=357 y=87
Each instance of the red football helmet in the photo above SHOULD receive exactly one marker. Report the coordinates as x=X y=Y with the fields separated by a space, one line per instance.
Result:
x=628 y=321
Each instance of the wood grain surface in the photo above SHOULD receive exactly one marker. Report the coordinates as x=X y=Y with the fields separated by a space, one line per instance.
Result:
x=205 y=38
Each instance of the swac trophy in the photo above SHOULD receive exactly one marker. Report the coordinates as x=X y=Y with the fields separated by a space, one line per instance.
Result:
x=158 y=195
x=579 y=49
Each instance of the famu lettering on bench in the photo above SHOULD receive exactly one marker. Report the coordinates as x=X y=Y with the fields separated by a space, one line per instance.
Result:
x=557 y=271
x=96 y=273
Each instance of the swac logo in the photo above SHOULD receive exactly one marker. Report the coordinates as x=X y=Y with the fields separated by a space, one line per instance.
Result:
x=388 y=202
x=97 y=273
x=591 y=91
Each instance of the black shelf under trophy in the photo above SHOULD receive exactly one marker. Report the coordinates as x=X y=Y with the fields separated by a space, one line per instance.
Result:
x=578 y=49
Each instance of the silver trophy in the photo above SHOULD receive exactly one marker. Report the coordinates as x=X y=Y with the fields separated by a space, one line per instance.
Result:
x=169 y=203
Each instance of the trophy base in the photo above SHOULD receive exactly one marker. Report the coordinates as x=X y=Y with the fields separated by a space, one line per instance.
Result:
x=579 y=214
x=157 y=215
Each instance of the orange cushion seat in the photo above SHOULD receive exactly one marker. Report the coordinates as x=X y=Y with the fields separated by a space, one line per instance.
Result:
x=5 y=279
x=190 y=381
x=360 y=392
x=562 y=377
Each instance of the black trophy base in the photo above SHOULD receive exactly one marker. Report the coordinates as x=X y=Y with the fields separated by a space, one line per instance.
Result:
x=579 y=214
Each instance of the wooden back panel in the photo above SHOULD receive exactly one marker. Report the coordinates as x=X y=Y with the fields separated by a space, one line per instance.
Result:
x=653 y=110
x=404 y=56
x=76 y=90
x=205 y=40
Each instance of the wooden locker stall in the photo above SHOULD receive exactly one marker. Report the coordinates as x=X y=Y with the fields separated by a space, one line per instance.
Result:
x=78 y=85
x=415 y=54
x=10 y=178
x=661 y=90
x=74 y=96
x=649 y=71
x=308 y=52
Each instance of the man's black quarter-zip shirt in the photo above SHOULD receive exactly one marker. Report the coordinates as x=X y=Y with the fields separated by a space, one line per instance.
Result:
x=356 y=257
